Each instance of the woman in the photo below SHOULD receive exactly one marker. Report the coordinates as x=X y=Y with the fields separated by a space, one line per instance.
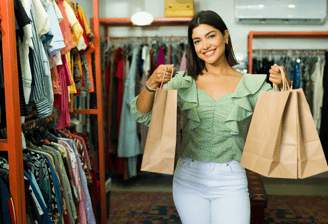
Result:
x=209 y=185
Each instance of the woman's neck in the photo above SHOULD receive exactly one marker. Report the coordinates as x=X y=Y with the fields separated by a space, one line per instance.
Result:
x=218 y=69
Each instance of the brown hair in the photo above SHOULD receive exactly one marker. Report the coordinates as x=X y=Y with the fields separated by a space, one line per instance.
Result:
x=195 y=65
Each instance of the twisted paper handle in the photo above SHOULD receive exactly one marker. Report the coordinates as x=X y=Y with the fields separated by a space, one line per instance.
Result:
x=285 y=86
x=170 y=80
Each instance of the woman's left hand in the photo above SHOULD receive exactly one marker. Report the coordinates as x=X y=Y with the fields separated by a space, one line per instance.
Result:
x=275 y=75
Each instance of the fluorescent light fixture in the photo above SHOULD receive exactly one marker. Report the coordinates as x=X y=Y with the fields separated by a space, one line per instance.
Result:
x=142 y=18
x=292 y=6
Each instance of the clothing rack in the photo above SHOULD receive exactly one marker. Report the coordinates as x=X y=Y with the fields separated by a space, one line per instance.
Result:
x=13 y=144
x=107 y=23
x=146 y=39
x=256 y=34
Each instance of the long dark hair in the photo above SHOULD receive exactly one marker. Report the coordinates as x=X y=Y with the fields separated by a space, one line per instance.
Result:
x=195 y=65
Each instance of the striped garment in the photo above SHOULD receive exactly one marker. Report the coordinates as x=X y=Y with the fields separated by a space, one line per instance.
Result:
x=39 y=94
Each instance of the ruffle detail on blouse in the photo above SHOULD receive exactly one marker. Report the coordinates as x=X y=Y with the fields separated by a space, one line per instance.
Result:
x=243 y=108
x=187 y=92
x=137 y=116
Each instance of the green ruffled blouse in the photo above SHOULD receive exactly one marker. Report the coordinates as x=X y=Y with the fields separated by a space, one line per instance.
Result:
x=213 y=130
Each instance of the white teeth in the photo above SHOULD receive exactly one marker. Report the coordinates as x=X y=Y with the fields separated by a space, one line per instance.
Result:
x=210 y=52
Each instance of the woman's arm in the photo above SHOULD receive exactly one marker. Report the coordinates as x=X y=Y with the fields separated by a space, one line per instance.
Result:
x=145 y=99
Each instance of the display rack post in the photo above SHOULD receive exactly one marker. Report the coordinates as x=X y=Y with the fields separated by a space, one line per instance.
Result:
x=13 y=144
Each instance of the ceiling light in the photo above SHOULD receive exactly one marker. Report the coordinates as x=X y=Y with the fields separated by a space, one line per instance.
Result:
x=142 y=18
x=292 y=6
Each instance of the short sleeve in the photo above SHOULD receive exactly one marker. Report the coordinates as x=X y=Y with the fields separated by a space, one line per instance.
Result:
x=137 y=116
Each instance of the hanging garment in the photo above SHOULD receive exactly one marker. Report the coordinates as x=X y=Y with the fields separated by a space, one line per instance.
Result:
x=128 y=143
x=7 y=213
x=297 y=75
x=317 y=78
x=61 y=101
x=65 y=28
x=57 y=42
x=183 y=65
x=39 y=93
x=324 y=118
x=24 y=47
x=45 y=218
x=119 y=75
x=87 y=200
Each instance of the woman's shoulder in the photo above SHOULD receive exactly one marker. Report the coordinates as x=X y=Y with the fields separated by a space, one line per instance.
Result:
x=251 y=84
x=181 y=80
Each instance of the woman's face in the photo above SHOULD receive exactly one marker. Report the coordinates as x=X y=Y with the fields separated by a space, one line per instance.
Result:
x=209 y=43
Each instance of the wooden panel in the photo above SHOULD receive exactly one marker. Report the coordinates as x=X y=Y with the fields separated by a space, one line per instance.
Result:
x=303 y=34
x=101 y=150
x=86 y=111
x=15 y=152
x=3 y=145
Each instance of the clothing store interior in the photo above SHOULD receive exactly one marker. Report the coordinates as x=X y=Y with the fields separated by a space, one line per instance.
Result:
x=78 y=155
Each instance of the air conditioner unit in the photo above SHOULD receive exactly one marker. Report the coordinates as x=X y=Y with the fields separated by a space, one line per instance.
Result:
x=300 y=12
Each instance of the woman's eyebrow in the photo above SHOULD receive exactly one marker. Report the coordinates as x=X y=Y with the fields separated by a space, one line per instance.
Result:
x=205 y=35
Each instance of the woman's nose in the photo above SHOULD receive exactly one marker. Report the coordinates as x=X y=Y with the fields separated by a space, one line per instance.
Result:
x=206 y=45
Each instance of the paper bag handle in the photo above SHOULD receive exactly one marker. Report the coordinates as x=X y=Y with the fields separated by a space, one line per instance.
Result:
x=170 y=80
x=285 y=86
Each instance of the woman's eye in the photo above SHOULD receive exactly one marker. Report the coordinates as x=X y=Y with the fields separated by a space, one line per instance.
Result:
x=212 y=36
x=196 y=42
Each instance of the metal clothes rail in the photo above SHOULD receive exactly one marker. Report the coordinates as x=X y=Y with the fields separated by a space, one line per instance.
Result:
x=255 y=34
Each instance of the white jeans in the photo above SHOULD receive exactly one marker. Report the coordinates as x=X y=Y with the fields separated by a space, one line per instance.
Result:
x=211 y=193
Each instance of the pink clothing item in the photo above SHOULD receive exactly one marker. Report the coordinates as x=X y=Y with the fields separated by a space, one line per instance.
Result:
x=161 y=57
x=160 y=60
x=76 y=178
x=119 y=75
x=183 y=65
x=65 y=28
x=68 y=74
x=61 y=101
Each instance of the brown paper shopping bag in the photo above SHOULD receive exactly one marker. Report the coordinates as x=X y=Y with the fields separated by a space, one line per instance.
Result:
x=159 y=151
x=282 y=140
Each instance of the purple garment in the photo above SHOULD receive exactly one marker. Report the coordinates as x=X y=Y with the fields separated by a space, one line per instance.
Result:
x=87 y=200
x=183 y=65
x=160 y=59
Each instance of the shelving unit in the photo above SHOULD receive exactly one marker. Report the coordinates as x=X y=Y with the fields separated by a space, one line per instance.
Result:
x=256 y=35
x=13 y=144
x=96 y=22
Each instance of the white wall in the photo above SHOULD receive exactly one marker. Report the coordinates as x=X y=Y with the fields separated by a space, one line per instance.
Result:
x=239 y=33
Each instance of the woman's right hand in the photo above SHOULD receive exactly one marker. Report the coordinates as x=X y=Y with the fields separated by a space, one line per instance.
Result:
x=157 y=77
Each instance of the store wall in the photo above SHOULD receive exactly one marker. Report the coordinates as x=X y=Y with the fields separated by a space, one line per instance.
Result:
x=239 y=33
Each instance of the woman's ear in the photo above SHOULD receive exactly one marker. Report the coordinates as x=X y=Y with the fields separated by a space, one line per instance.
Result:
x=226 y=35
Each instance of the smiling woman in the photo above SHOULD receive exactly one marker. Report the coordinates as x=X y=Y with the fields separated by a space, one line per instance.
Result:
x=217 y=103
x=208 y=41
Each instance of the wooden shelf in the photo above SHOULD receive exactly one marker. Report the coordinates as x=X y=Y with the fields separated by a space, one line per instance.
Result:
x=158 y=21
x=86 y=111
x=3 y=145
x=302 y=34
